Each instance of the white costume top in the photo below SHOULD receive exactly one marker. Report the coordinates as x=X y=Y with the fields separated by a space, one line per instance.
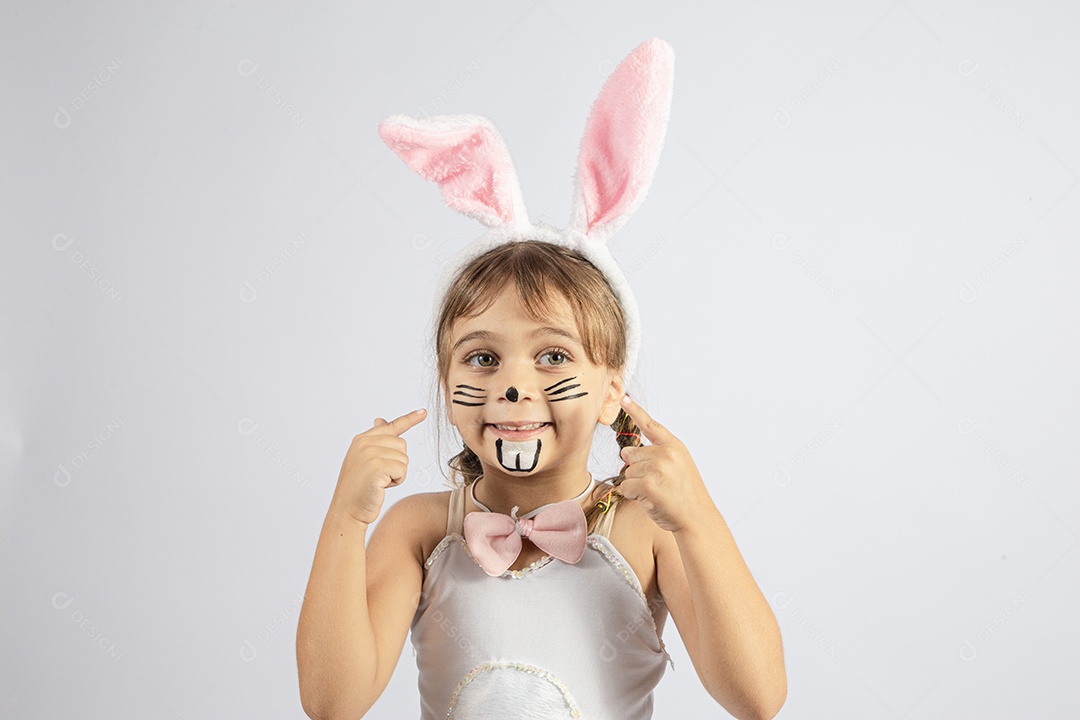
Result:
x=555 y=640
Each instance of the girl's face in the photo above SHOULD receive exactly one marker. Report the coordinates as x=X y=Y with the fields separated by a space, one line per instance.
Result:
x=505 y=368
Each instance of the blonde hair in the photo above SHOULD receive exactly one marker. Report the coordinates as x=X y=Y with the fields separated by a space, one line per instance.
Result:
x=539 y=270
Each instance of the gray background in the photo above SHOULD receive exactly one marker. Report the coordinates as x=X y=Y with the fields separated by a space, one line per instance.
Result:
x=856 y=270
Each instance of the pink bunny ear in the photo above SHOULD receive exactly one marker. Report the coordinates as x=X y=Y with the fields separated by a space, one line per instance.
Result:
x=622 y=141
x=467 y=157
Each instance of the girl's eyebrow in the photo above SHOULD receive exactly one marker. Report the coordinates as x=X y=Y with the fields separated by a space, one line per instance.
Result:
x=488 y=335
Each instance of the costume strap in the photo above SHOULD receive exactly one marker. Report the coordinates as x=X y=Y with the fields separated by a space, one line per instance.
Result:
x=455 y=516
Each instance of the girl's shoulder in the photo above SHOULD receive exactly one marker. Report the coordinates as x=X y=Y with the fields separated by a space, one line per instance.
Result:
x=633 y=534
x=426 y=514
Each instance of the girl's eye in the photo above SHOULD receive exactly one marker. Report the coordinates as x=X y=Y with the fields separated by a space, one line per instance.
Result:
x=557 y=353
x=476 y=354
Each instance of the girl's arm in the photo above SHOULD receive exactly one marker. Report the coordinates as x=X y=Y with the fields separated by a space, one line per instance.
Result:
x=335 y=641
x=357 y=611
x=726 y=623
x=724 y=620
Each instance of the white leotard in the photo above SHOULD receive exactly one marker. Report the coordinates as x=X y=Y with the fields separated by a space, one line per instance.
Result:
x=554 y=640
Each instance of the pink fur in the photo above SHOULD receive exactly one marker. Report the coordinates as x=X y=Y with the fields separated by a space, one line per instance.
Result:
x=467 y=157
x=618 y=156
x=622 y=141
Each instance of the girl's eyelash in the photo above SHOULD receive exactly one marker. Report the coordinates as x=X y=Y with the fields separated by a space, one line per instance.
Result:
x=558 y=350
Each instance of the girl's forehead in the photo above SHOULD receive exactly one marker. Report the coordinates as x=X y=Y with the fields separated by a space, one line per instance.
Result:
x=508 y=307
x=508 y=327
x=504 y=328
x=504 y=334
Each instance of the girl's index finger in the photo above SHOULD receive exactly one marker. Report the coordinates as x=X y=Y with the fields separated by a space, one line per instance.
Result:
x=398 y=426
x=652 y=430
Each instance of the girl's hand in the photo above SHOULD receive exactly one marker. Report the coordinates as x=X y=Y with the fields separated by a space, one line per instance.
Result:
x=375 y=461
x=662 y=476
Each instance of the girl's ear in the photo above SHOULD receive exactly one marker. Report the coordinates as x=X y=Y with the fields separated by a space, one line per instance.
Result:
x=467 y=157
x=622 y=141
x=609 y=410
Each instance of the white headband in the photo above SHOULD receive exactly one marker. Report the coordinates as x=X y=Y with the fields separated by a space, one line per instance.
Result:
x=619 y=152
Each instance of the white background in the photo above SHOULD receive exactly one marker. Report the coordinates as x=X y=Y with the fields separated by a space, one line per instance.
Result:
x=857 y=275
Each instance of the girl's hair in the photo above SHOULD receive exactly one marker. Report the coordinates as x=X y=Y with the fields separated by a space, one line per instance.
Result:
x=539 y=270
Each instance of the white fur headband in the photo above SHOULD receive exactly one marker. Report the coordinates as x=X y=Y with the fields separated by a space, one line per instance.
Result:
x=619 y=152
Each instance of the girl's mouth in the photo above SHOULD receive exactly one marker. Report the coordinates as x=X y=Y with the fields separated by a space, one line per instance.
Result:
x=517 y=434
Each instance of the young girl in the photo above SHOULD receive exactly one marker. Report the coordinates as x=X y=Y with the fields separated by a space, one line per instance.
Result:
x=532 y=589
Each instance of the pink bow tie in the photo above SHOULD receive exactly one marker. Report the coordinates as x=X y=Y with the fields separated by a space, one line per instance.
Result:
x=494 y=539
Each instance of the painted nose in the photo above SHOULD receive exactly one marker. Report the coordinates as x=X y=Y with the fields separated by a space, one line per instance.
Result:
x=512 y=394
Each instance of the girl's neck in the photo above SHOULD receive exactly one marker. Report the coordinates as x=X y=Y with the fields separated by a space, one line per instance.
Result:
x=529 y=493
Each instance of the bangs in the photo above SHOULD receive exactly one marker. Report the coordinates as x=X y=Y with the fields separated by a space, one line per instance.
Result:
x=542 y=274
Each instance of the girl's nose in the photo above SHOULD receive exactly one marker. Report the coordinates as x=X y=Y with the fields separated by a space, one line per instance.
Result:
x=513 y=394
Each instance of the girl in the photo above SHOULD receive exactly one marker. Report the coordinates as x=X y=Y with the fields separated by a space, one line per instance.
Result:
x=531 y=589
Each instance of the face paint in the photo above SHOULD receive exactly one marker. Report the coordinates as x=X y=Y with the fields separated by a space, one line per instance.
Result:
x=505 y=367
x=466 y=393
x=518 y=456
x=548 y=390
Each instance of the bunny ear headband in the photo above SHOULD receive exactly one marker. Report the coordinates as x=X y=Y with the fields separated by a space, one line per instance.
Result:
x=467 y=157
